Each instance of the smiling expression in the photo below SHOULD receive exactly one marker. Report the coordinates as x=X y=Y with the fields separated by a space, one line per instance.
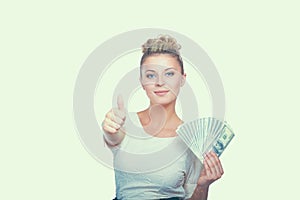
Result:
x=161 y=78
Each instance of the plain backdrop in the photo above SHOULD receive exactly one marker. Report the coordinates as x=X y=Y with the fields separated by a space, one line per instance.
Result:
x=43 y=44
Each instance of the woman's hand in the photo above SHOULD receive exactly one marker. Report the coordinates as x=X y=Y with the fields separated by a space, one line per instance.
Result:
x=113 y=122
x=212 y=170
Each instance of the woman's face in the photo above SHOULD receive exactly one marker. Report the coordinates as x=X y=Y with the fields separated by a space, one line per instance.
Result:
x=161 y=78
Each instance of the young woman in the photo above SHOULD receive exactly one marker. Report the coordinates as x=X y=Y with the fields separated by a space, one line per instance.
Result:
x=161 y=75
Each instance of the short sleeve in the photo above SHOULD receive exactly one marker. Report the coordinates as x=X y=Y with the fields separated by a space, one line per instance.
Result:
x=194 y=167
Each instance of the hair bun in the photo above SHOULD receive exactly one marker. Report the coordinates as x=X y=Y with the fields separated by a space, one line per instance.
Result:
x=163 y=43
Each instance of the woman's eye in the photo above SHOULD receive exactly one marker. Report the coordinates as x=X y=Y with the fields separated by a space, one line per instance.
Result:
x=150 y=76
x=170 y=74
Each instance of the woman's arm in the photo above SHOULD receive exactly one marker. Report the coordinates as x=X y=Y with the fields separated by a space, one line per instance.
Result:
x=200 y=193
x=113 y=123
x=211 y=172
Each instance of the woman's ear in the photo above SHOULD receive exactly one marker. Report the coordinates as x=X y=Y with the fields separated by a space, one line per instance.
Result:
x=182 y=81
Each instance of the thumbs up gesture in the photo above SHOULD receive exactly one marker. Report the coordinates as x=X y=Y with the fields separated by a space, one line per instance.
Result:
x=114 y=119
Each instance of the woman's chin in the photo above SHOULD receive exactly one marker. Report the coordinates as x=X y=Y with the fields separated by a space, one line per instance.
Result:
x=163 y=101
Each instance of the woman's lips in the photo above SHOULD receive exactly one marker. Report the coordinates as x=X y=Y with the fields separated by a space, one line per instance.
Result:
x=161 y=92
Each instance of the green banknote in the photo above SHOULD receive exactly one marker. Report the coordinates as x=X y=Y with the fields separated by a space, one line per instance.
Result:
x=223 y=140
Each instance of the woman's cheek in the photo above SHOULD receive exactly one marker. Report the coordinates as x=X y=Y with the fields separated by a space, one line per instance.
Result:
x=174 y=87
x=149 y=91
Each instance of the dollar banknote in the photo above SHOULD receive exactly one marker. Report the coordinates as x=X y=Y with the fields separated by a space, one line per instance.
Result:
x=203 y=135
x=221 y=142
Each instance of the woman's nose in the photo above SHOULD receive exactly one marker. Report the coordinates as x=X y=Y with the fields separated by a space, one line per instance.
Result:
x=160 y=81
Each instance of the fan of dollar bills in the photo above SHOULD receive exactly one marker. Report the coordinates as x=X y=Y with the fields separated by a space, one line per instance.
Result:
x=205 y=134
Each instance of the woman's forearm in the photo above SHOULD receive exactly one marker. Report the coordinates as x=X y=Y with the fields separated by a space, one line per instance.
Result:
x=200 y=193
x=114 y=139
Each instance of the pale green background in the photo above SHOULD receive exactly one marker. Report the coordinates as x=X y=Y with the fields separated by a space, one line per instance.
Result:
x=254 y=44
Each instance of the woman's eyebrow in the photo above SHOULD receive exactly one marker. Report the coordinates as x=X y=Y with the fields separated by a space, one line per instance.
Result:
x=151 y=70
x=170 y=68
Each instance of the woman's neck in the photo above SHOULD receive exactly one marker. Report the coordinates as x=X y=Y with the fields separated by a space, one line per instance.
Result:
x=167 y=111
x=157 y=118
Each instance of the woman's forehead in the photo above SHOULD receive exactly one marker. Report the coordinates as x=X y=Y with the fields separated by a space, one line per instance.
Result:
x=162 y=60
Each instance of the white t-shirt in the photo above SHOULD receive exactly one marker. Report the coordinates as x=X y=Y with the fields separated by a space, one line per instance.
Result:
x=148 y=167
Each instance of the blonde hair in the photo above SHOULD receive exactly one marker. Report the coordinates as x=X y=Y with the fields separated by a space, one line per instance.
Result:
x=163 y=44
